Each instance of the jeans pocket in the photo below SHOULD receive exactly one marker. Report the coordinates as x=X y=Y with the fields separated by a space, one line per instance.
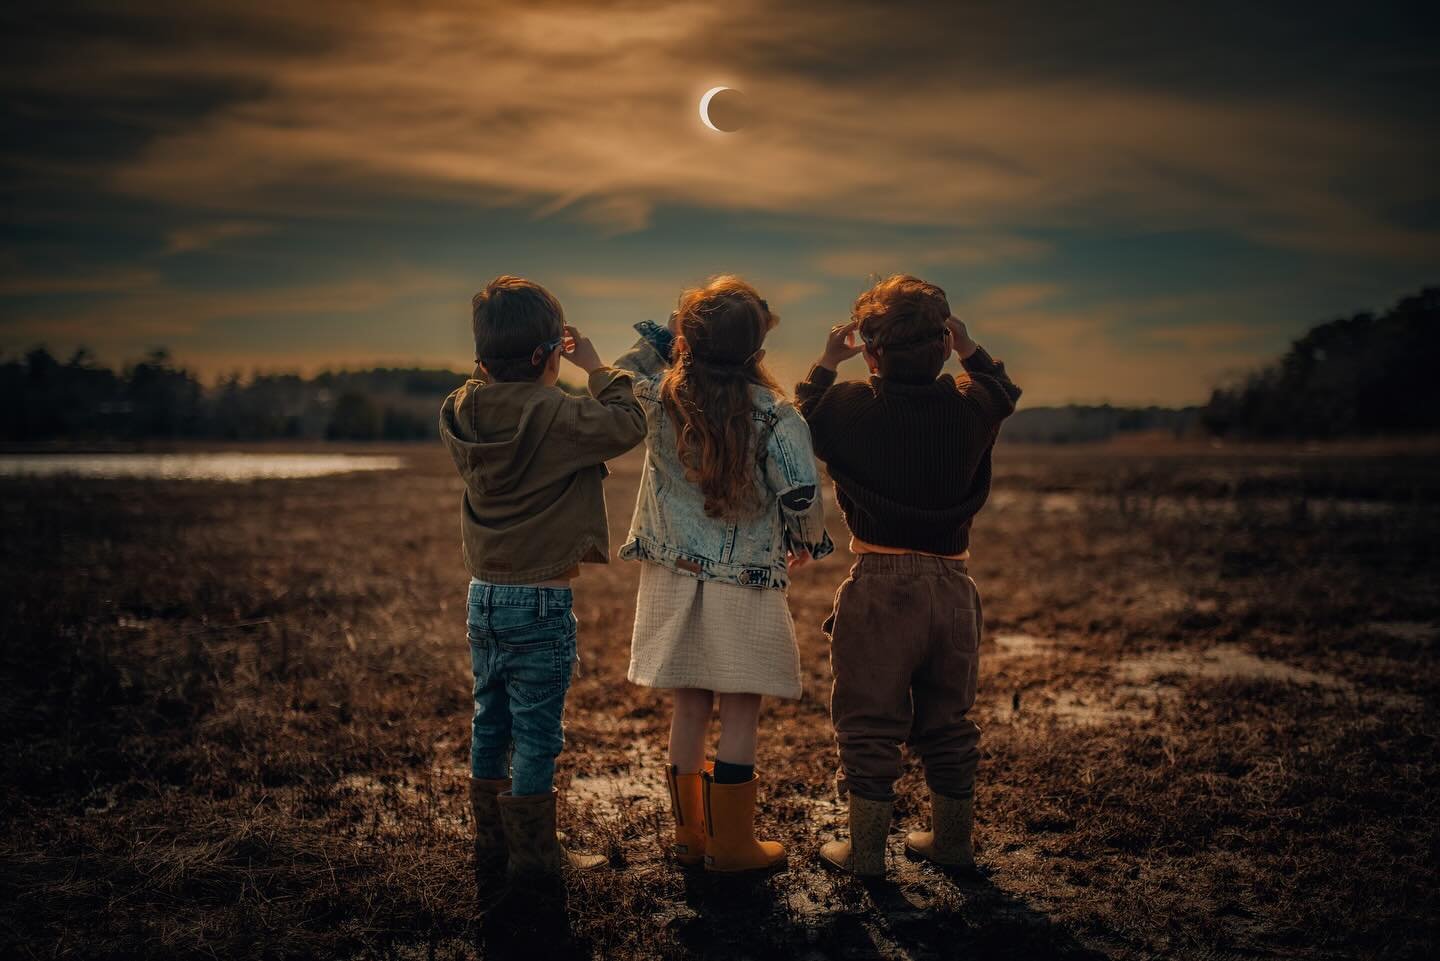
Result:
x=537 y=668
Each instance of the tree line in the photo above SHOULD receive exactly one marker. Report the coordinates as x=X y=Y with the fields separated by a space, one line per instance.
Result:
x=1362 y=375
x=45 y=398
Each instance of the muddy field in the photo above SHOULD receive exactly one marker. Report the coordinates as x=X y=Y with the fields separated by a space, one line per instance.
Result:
x=235 y=719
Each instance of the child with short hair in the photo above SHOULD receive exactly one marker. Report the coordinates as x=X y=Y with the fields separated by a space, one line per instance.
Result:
x=533 y=459
x=729 y=502
x=910 y=454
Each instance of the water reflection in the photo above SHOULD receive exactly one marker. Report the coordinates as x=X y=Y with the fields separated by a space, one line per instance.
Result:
x=228 y=466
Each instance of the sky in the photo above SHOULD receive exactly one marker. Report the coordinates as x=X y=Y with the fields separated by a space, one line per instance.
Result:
x=1128 y=202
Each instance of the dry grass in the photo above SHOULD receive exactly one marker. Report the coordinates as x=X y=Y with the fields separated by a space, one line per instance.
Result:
x=236 y=726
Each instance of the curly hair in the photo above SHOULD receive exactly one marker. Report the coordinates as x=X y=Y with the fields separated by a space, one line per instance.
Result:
x=902 y=321
x=707 y=390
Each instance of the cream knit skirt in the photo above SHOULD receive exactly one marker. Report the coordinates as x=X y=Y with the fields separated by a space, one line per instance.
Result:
x=712 y=635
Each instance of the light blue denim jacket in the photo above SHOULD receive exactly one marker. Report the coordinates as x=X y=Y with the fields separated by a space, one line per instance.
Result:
x=670 y=526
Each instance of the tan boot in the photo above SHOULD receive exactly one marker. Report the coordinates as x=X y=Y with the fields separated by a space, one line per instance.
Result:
x=534 y=850
x=948 y=841
x=490 y=852
x=730 y=843
x=864 y=853
x=687 y=803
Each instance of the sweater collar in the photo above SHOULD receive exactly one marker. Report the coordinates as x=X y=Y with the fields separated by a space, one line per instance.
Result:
x=879 y=384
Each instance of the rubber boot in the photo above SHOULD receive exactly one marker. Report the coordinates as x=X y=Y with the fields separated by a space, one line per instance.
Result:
x=535 y=853
x=948 y=841
x=687 y=804
x=864 y=853
x=491 y=855
x=730 y=843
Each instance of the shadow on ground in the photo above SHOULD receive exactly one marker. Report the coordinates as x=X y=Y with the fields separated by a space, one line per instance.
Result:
x=914 y=913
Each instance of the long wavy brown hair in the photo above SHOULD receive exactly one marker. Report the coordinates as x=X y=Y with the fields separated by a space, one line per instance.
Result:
x=719 y=330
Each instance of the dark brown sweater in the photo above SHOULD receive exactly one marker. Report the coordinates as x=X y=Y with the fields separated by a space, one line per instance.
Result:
x=911 y=462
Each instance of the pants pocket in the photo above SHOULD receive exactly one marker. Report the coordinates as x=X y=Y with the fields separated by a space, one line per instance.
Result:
x=965 y=630
x=536 y=671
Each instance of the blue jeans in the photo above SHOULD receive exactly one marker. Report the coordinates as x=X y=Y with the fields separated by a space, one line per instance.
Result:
x=522 y=649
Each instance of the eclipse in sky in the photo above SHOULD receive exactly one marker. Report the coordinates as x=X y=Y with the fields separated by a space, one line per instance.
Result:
x=723 y=109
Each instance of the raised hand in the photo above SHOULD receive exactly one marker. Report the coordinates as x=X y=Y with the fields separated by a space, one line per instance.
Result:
x=960 y=337
x=579 y=351
x=840 y=345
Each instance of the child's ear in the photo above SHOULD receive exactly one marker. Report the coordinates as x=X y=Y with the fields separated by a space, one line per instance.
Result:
x=759 y=355
x=871 y=361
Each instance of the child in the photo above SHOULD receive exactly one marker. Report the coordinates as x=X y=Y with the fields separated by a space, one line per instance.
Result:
x=909 y=452
x=729 y=501
x=532 y=457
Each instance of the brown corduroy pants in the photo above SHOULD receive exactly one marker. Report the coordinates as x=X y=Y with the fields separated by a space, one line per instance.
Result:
x=904 y=648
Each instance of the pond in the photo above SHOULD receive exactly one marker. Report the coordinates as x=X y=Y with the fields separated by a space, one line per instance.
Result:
x=214 y=466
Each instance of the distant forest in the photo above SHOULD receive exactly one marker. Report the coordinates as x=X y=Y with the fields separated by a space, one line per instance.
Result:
x=43 y=398
x=1356 y=376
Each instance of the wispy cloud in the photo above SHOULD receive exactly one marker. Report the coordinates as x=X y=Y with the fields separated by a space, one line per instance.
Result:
x=910 y=255
x=202 y=236
x=589 y=111
x=102 y=281
x=1014 y=297
x=618 y=287
x=151 y=312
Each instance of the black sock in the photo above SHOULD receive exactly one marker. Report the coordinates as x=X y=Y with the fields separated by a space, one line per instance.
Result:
x=727 y=773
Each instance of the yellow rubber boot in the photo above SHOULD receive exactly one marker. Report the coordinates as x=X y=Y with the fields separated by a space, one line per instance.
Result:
x=948 y=842
x=687 y=804
x=730 y=843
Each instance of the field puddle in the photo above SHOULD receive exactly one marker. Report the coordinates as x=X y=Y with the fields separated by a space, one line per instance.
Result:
x=1022 y=645
x=618 y=790
x=1222 y=662
x=217 y=466
x=1144 y=684
x=1173 y=507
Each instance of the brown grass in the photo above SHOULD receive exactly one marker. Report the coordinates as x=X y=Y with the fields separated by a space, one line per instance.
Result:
x=236 y=722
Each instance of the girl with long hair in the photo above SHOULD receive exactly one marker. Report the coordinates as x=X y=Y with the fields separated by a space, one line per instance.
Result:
x=729 y=503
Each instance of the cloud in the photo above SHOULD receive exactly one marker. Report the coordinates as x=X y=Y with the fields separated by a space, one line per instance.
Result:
x=1204 y=337
x=908 y=256
x=1135 y=350
x=658 y=291
x=588 y=111
x=167 y=312
x=102 y=281
x=618 y=287
x=788 y=292
x=1014 y=297
x=203 y=236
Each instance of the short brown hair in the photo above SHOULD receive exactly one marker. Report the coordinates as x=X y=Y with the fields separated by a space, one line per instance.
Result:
x=510 y=318
x=902 y=321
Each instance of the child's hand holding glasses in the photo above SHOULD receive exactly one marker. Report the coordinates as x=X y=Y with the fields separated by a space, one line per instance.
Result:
x=579 y=351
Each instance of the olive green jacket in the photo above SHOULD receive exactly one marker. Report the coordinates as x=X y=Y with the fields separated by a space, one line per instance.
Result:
x=533 y=461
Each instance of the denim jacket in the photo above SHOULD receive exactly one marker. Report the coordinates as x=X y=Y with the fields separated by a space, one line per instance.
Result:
x=670 y=526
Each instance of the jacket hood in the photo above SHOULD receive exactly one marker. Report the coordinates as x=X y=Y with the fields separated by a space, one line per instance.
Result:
x=494 y=431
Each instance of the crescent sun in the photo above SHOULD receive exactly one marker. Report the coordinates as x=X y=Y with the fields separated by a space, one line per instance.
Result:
x=705 y=107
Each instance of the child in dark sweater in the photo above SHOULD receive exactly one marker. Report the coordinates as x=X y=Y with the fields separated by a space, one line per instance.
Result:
x=909 y=451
